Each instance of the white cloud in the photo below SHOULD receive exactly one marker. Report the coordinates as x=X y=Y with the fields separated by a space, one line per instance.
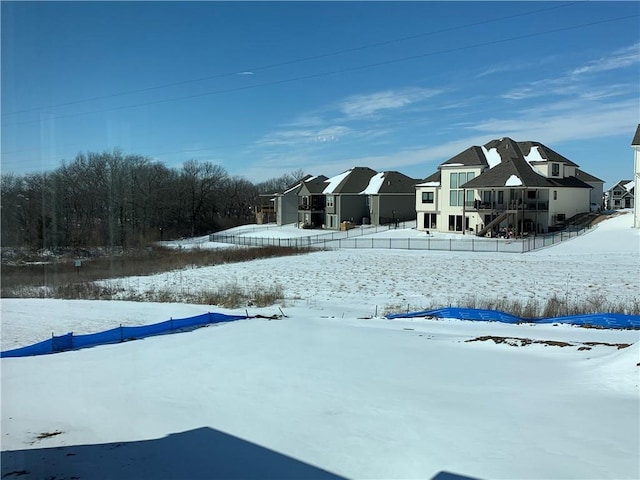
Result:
x=298 y=136
x=584 y=121
x=575 y=82
x=621 y=58
x=361 y=106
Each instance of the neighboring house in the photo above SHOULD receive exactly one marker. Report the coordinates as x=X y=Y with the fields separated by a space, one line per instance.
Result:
x=284 y=205
x=505 y=185
x=635 y=144
x=390 y=197
x=343 y=199
x=311 y=202
x=620 y=195
x=597 y=188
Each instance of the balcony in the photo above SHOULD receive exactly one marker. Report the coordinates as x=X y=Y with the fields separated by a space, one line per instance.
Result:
x=529 y=206
x=310 y=208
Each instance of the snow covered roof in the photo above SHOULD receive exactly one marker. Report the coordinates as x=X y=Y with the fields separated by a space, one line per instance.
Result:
x=333 y=182
x=390 y=182
x=514 y=170
x=472 y=156
x=513 y=181
x=629 y=186
x=374 y=184
x=354 y=181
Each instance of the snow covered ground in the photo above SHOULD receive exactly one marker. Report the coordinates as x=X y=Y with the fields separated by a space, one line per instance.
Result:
x=326 y=389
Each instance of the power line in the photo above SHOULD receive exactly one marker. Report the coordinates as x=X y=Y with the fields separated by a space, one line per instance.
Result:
x=334 y=72
x=297 y=60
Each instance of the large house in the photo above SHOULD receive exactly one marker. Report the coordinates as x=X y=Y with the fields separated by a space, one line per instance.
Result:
x=635 y=144
x=621 y=195
x=504 y=185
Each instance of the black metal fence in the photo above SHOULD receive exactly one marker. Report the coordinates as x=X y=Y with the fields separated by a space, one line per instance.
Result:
x=361 y=238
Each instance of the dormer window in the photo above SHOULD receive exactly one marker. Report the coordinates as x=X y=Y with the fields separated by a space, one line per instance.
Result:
x=555 y=169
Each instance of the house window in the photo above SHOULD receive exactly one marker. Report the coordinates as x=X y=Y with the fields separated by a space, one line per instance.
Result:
x=455 y=223
x=430 y=221
x=617 y=193
x=501 y=197
x=470 y=198
x=427 y=197
x=555 y=194
x=532 y=194
x=456 y=195
x=329 y=200
x=555 y=169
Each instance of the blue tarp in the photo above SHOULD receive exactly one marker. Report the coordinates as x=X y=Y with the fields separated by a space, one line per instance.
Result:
x=118 y=334
x=598 y=320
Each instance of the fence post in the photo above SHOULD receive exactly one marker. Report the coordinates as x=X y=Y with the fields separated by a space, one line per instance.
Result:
x=473 y=248
x=450 y=245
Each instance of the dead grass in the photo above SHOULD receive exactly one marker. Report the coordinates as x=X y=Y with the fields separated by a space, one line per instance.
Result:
x=523 y=342
x=59 y=278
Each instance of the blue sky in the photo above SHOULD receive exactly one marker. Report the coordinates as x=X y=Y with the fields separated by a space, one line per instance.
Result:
x=265 y=88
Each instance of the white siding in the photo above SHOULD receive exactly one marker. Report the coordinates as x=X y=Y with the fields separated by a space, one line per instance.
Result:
x=636 y=178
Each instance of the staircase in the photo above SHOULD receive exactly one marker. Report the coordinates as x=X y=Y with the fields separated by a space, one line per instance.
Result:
x=491 y=224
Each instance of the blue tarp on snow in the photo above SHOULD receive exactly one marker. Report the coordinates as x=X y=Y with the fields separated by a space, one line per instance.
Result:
x=599 y=320
x=119 y=334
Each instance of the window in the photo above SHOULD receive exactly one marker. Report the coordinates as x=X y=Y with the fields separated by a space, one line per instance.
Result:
x=470 y=198
x=532 y=194
x=427 y=197
x=430 y=220
x=555 y=194
x=501 y=196
x=555 y=169
x=617 y=193
x=329 y=200
x=456 y=195
x=455 y=223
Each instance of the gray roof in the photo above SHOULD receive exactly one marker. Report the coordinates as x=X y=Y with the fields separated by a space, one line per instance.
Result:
x=396 y=182
x=355 y=182
x=316 y=185
x=472 y=156
x=545 y=152
x=587 y=177
x=636 y=138
x=434 y=177
x=513 y=164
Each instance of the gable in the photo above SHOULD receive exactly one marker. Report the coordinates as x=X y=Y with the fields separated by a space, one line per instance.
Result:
x=636 y=138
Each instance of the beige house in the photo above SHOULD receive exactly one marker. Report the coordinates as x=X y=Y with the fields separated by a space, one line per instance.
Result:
x=503 y=186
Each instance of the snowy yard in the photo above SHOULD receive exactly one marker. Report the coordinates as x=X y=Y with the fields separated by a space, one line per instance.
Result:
x=330 y=389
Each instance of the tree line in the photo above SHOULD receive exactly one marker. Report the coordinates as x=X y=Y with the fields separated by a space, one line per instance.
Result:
x=116 y=200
